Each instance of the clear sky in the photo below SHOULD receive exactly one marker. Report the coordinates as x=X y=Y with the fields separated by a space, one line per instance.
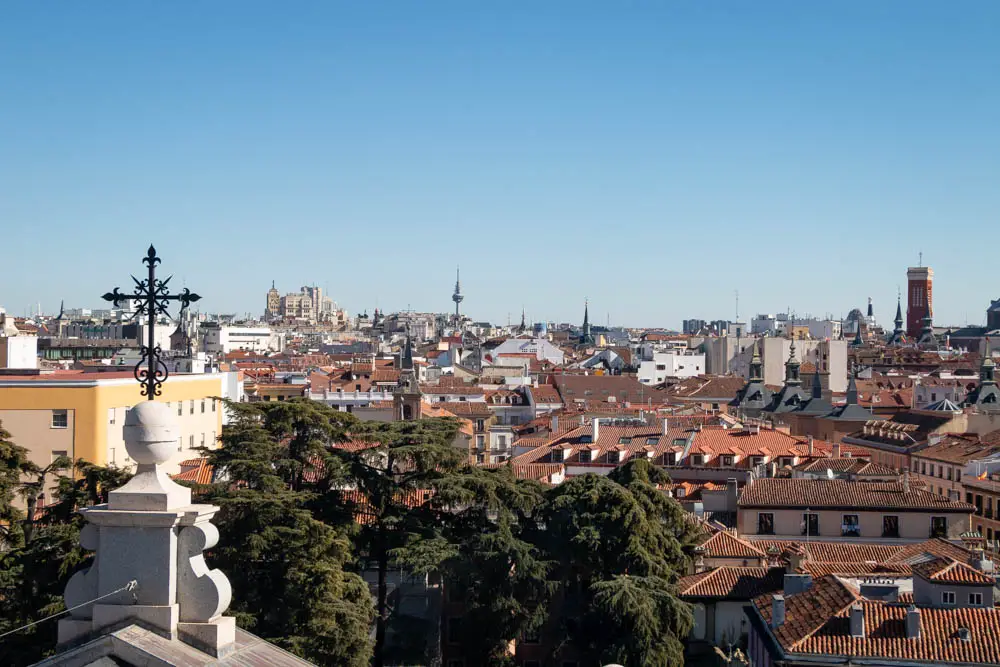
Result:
x=652 y=156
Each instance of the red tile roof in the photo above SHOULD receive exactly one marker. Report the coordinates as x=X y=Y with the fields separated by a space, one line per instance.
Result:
x=817 y=622
x=725 y=544
x=195 y=470
x=837 y=494
x=733 y=583
x=952 y=572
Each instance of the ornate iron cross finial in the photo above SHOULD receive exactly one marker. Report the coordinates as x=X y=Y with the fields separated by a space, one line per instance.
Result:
x=151 y=299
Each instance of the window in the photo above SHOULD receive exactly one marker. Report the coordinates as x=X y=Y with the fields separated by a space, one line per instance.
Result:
x=756 y=460
x=180 y=408
x=192 y=406
x=480 y=441
x=697 y=459
x=890 y=526
x=60 y=419
x=785 y=461
x=670 y=458
x=203 y=406
x=455 y=630
x=939 y=526
x=728 y=460
x=191 y=441
x=57 y=453
x=976 y=599
x=652 y=441
x=810 y=524
x=213 y=405
x=851 y=526
x=111 y=415
x=948 y=597
x=213 y=441
x=202 y=439
x=765 y=523
x=180 y=444
x=624 y=441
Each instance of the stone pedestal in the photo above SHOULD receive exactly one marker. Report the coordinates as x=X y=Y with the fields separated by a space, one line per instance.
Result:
x=150 y=533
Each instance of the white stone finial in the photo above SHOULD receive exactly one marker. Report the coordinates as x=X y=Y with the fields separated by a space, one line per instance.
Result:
x=149 y=542
x=150 y=433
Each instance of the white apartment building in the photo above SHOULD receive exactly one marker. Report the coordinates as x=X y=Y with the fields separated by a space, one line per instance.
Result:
x=225 y=338
x=671 y=366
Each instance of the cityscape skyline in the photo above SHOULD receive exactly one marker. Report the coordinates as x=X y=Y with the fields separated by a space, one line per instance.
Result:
x=800 y=154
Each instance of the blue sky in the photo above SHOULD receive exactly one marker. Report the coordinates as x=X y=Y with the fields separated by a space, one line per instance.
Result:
x=652 y=156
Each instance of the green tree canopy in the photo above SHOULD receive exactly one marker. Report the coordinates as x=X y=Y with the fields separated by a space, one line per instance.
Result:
x=618 y=544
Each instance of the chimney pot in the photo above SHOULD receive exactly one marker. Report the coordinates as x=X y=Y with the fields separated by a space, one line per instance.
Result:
x=836 y=450
x=913 y=623
x=666 y=425
x=595 y=424
x=777 y=611
x=857 y=620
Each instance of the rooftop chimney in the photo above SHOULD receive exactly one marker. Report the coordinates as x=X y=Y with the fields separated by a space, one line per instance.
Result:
x=595 y=425
x=836 y=450
x=777 y=611
x=906 y=480
x=555 y=423
x=797 y=583
x=811 y=447
x=912 y=623
x=857 y=620
x=666 y=425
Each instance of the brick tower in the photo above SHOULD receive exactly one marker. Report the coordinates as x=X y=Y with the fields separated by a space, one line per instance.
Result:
x=919 y=298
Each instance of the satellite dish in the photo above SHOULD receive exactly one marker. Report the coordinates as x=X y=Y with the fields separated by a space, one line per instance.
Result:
x=829 y=474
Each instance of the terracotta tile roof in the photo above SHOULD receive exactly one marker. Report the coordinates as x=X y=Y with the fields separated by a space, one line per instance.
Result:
x=465 y=408
x=355 y=445
x=385 y=376
x=599 y=387
x=545 y=393
x=633 y=440
x=838 y=493
x=725 y=544
x=363 y=512
x=846 y=465
x=540 y=472
x=723 y=387
x=817 y=622
x=715 y=441
x=952 y=572
x=853 y=568
x=958 y=448
x=732 y=583
x=195 y=470
x=457 y=389
x=941 y=548
x=833 y=552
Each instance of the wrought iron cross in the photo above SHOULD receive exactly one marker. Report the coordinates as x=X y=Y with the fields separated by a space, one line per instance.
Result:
x=152 y=298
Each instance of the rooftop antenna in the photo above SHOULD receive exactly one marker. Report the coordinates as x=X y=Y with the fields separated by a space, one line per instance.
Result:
x=920 y=261
x=737 y=305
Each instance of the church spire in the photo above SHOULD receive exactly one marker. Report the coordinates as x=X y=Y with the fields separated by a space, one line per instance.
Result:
x=792 y=368
x=987 y=370
x=586 y=337
x=756 y=367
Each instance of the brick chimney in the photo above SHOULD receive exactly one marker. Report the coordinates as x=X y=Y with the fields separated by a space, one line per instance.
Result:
x=836 y=450
x=812 y=449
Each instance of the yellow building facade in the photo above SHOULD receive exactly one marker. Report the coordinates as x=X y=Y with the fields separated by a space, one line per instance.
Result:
x=81 y=415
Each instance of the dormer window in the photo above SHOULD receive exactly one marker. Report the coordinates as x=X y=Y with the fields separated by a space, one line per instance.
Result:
x=948 y=597
x=680 y=492
x=756 y=460
x=670 y=458
x=652 y=441
x=624 y=441
x=728 y=460
x=697 y=459
x=585 y=456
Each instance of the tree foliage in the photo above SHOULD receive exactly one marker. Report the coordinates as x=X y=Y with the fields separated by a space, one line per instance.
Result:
x=391 y=487
x=619 y=544
x=499 y=572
